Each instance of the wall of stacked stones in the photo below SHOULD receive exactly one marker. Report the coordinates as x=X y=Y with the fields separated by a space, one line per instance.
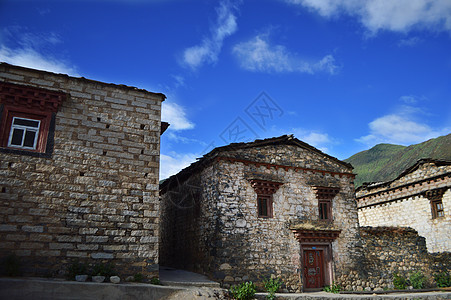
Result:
x=392 y=250
x=96 y=198
x=413 y=211
x=237 y=245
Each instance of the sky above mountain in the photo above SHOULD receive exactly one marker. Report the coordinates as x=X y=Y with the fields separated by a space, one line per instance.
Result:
x=341 y=75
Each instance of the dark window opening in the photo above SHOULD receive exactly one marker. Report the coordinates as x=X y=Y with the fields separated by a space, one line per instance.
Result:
x=264 y=206
x=324 y=210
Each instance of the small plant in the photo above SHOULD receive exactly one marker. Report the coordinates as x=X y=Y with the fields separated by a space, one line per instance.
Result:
x=155 y=280
x=138 y=277
x=102 y=269
x=244 y=291
x=443 y=279
x=399 y=282
x=272 y=286
x=333 y=288
x=12 y=265
x=417 y=280
x=76 y=268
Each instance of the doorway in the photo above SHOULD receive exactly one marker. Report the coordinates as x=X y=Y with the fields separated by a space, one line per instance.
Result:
x=314 y=269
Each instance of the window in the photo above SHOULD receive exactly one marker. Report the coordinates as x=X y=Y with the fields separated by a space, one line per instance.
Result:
x=265 y=190
x=325 y=196
x=264 y=206
x=324 y=210
x=27 y=117
x=435 y=197
x=437 y=209
x=24 y=133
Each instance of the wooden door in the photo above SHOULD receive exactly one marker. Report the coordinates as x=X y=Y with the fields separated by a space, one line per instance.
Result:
x=313 y=269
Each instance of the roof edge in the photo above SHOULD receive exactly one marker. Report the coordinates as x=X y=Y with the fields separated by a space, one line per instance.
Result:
x=415 y=166
x=122 y=86
x=206 y=159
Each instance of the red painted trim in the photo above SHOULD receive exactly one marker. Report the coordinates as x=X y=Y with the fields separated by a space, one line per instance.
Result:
x=9 y=112
x=31 y=98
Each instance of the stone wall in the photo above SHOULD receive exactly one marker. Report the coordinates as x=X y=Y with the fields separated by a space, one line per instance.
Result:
x=404 y=203
x=390 y=250
x=95 y=198
x=221 y=234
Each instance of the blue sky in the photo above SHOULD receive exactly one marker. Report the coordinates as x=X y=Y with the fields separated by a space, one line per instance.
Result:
x=341 y=75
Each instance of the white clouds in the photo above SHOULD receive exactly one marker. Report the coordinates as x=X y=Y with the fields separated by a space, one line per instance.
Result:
x=29 y=51
x=30 y=58
x=210 y=47
x=175 y=115
x=317 y=139
x=259 y=55
x=171 y=164
x=402 y=127
x=398 y=15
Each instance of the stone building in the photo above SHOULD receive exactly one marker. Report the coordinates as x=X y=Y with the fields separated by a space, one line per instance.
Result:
x=79 y=165
x=419 y=198
x=247 y=211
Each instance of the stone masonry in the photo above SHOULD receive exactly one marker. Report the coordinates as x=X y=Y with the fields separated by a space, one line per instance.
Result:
x=407 y=202
x=392 y=250
x=94 y=196
x=210 y=222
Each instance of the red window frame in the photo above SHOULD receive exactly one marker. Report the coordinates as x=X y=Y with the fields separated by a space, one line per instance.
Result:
x=7 y=118
x=29 y=103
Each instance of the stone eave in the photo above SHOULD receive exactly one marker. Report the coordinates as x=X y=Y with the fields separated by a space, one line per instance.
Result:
x=215 y=155
x=400 y=187
x=91 y=81
x=373 y=185
x=308 y=232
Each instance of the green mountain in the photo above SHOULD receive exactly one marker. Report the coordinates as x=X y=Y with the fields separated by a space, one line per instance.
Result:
x=385 y=162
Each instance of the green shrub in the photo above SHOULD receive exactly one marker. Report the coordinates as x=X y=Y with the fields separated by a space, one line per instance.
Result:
x=399 y=282
x=417 y=280
x=102 y=269
x=333 y=288
x=272 y=286
x=11 y=265
x=76 y=268
x=244 y=291
x=154 y=280
x=443 y=279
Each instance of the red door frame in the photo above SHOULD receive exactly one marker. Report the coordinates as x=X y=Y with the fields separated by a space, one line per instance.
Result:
x=326 y=264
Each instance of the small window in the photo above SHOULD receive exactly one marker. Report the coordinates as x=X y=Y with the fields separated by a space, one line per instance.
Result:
x=24 y=133
x=437 y=209
x=264 y=206
x=435 y=197
x=27 y=119
x=324 y=210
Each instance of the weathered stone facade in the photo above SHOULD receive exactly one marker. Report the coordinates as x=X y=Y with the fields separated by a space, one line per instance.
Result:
x=411 y=201
x=92 y=194
x=393 y=250
x=210 y=219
